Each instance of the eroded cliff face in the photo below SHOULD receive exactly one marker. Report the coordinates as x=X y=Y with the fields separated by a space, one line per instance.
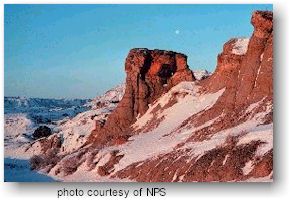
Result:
x=244 y=67
x=243 y=112
x=255 y=77
x=149 y=74
x=169 y=127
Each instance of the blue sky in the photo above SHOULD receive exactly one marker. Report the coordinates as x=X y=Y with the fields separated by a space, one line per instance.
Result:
x=78 y=51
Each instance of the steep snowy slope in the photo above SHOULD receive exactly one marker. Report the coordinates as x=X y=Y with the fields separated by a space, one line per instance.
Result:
x=168 y=147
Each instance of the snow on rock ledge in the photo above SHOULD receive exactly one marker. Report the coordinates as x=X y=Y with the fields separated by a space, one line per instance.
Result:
x=153 y=142
x=201 y=74
x=240 y=47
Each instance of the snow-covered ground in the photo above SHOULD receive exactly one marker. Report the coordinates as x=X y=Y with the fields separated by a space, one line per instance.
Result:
x=16 y=170
x=160 y=140
x=159 y=132
x=70 y=119
x=165 y=137
x=111 y=96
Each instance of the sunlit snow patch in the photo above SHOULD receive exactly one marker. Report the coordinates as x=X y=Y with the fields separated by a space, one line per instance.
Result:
x=240 y=47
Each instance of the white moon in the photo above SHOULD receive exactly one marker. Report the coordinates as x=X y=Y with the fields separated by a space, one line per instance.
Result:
x=177 y=32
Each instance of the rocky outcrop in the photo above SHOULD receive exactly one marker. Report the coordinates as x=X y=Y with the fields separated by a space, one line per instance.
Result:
x=227 y=71
x=244 y=73
x=149 y=74
x=42 y=131
x=219 y=128
x=255 y=77
x=244 y=67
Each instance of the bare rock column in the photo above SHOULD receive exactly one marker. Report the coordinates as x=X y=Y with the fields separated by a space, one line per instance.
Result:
x=149 y=74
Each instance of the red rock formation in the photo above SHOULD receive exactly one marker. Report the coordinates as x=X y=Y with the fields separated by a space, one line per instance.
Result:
x=226 y=74
x=246 y=75
x=149 y=74
x=255 y=77
x=244 y=69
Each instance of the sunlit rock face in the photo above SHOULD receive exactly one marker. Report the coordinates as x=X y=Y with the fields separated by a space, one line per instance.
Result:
x=149 y=74
x=170 y=127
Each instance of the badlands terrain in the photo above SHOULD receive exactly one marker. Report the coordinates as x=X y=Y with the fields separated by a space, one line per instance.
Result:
x=166 y=123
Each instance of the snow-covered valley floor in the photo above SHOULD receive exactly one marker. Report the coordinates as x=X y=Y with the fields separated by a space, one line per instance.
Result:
x=16 y=170
x=71 y=120
x=22 y=117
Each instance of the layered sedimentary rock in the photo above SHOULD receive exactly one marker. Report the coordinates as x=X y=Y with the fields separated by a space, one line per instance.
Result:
x=244 y=72
x=168 y=127
x=227 y=71
x=245 y=65
x=149 y=74
x=255 y=77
